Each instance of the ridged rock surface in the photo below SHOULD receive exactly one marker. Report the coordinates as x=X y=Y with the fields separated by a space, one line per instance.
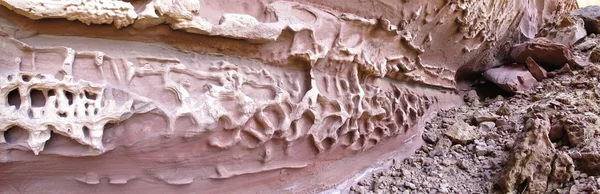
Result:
x=244 y=96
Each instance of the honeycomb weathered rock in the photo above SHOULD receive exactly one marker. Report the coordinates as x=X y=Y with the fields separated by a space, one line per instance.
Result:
x=223 y=96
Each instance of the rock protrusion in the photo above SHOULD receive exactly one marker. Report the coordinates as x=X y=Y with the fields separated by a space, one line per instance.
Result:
x=591 y=17
x=529 y=166
x=568 y=31
x=550 y=55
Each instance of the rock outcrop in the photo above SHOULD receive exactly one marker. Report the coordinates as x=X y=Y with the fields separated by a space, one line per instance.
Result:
x=528 y=169
x=229 y=97
x=591 y=17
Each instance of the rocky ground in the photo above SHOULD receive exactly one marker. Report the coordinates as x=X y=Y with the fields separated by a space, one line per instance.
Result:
x=545 y=138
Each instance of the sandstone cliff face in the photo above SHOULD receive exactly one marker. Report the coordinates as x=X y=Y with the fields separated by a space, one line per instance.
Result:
x=233 y=96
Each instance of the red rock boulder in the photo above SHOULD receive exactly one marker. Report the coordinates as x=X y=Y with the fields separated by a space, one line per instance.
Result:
x=548 y=54
x=511 y=78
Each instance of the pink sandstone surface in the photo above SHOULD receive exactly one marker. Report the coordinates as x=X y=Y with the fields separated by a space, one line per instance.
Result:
x=235 y=96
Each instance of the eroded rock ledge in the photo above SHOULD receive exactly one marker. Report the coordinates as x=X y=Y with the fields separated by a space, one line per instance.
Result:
x=293 y=96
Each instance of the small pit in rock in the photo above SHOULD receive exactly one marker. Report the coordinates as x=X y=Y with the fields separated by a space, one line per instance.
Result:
x=69 y=96
x=37 y=98
x=14 y=98
x=16 y=135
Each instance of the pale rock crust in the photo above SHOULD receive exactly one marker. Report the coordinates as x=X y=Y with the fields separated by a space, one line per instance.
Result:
x=119 y=13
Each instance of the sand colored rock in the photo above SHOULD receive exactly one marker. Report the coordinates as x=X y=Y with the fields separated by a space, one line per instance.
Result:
x=567 y=32
x=461 y=133
x=562 y=171
x=529 y=165
x=166 y=96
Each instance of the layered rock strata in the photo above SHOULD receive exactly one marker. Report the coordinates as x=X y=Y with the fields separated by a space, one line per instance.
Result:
x=220 y=96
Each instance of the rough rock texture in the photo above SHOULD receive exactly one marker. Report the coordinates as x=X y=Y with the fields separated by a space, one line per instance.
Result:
x=233 y=96
x=529 y=164
x=497 y=161
x=511 y=78
x=461 y=133
x=595 y=56
x=591 y=17
x=567 y=32
x=536 y=70
x=550 y=55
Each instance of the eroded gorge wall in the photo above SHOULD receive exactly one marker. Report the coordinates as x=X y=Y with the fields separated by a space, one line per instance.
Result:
x=168 y=96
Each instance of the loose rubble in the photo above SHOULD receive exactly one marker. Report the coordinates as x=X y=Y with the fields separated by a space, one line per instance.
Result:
x=543 y=139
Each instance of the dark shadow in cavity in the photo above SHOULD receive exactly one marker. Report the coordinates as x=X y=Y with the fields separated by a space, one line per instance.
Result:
x=37 y=98
x=14 y=98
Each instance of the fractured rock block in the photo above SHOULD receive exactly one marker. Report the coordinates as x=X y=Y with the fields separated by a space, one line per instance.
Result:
x=530 y=162
x=550 y=55
x=588 y=158
x=511 y=78
x=537 y=71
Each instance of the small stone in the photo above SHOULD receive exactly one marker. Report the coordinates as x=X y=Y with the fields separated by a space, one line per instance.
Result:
x=481 y=150
x=504 y=110
x=586 y=45
x=462 y=133
x=471 y=97
x=574 y=190
x=486 y=126
x=448 y=162
x=430 y=137
x=462 y=164
x=563 y=70
x=501 y=122
x=441 y=147
x=483 y=116
x=537 y=71
x=444 y=188
x=406 y=172
x=579 y=63
x=410 y=185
